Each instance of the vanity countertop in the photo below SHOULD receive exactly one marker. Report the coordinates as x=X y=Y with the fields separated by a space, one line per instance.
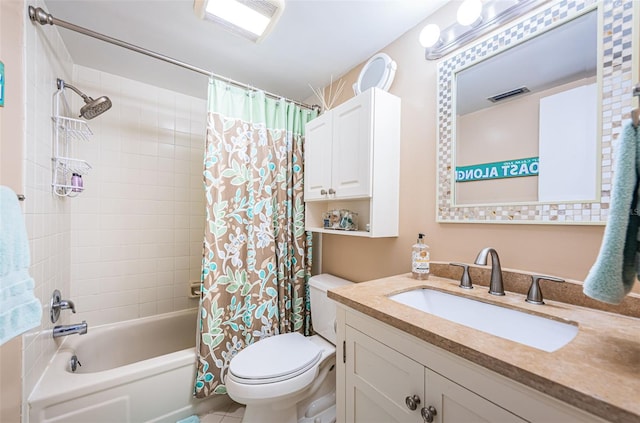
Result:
x=598 y=371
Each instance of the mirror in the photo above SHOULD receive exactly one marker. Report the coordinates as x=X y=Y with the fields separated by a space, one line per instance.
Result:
x=378 y=72
x=519 y=122
x=538 y=151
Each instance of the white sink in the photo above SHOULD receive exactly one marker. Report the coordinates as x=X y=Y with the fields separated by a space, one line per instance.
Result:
x=528 y=329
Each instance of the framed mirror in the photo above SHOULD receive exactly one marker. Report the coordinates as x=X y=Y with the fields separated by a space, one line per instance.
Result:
x=528 y=117
x=378 y=72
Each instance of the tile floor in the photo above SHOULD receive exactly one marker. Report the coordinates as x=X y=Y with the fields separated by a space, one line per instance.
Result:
x=233 y=414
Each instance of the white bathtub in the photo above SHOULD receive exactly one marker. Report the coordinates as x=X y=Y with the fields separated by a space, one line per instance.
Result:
x=141 y=370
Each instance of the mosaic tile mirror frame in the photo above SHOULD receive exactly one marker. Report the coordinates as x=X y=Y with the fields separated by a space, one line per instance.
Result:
x=616 y=72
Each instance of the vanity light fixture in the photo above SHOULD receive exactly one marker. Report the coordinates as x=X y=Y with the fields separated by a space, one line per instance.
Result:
x=475 y=18
x=252 y=19
x=470 y=13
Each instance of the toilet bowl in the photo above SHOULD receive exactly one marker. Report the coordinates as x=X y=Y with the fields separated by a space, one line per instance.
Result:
x=290 y=378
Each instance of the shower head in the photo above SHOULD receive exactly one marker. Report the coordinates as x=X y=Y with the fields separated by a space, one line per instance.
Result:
x=92 y=108
x=96 y=107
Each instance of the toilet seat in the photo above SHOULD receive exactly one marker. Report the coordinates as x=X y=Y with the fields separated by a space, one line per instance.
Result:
x=274 y=359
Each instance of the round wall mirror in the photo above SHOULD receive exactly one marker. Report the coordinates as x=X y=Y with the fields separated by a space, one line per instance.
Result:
x=377 y=72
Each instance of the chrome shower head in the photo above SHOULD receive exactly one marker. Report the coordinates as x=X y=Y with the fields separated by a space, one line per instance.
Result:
x=92 y=108
x=96 y=107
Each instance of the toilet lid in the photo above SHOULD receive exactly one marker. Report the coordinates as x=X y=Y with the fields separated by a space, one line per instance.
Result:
x=276 y=358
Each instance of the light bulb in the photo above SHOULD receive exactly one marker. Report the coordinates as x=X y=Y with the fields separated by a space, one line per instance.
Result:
x=430 y=35
x=469 y=12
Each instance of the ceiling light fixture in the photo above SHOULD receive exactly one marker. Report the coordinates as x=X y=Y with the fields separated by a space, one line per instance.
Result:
x=475 y=18
x=252 y=19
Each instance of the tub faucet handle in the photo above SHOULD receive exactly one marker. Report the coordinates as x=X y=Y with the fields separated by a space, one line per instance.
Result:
x=67 y=304
x=57 y=304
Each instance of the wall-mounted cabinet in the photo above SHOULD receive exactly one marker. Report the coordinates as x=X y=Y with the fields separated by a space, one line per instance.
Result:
x=352 y=161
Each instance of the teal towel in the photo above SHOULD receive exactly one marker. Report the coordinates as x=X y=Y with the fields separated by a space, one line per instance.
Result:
x=614 y=272
x=190 y=419
x=20 y=310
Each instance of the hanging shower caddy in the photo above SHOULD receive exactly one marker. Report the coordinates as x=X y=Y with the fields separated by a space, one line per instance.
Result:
x=67 y=133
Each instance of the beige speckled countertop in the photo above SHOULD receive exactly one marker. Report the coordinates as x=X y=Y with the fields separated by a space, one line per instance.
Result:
x=598 y=371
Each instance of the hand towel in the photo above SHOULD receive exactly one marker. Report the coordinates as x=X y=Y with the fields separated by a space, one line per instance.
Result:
x=613 y=274
x=20 y=310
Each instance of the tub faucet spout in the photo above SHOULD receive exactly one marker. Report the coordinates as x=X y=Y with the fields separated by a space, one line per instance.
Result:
x=495 y=286
x=64 y=330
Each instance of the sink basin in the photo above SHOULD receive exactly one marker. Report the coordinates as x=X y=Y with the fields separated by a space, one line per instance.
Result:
x=528 y=329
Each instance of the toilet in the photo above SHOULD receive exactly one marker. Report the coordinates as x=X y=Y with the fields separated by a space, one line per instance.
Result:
x=290 y=378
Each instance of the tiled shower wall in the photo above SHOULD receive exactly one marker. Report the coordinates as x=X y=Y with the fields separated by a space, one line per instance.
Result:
x=137 y=229
x=48 y=219
x=131 y=243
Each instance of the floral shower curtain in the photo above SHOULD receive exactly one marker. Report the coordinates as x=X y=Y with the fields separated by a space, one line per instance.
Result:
x=257 y=255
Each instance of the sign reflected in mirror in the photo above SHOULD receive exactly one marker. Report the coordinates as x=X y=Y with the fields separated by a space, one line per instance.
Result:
x=528 y=116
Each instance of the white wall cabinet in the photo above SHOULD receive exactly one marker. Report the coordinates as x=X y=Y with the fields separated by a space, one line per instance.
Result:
x=383 y=366
x=352 y=161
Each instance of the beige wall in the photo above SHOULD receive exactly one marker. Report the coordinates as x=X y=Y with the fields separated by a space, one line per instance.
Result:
x=565 y=251
x=11 y=169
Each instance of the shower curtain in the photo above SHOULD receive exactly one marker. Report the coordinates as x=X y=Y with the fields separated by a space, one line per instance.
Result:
x=257 y=255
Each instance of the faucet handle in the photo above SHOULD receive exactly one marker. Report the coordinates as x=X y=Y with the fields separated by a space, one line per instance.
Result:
x=465 y=279
x=534 y=296
x=57 y=304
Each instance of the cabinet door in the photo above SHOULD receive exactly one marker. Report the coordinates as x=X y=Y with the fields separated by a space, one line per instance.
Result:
x=455 y=404
x=378 y=379
x=352 y=147
x=317 y=157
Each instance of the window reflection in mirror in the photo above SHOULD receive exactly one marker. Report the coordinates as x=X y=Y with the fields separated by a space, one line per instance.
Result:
x=526 y=121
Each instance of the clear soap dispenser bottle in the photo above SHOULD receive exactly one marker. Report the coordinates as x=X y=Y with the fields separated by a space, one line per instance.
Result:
x=420 y=259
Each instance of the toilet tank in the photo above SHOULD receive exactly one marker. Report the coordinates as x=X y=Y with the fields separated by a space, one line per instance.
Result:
x=323 y=309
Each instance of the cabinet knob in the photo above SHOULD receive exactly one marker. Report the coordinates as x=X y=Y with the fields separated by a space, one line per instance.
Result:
x=428 y=413
x=323 y=192
x=332 y=191
x=412 y=402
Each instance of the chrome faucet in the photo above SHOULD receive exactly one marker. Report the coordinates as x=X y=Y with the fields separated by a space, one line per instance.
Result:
x=495 y=286
x=64 y=330
x=57 y=304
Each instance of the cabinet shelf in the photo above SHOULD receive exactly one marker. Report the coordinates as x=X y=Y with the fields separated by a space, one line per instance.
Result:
x=363 y=234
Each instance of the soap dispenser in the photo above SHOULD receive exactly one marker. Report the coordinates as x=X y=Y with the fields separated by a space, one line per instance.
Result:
x=420 y=259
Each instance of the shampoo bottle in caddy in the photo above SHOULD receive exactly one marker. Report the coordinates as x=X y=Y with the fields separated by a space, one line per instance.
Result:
x=420 y=259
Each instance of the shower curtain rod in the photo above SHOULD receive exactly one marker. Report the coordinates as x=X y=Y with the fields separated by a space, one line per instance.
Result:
x=40 y=16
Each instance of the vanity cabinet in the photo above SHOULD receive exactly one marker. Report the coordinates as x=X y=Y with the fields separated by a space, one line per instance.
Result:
x=383 y=385
x=384 y=370
x=352 y=161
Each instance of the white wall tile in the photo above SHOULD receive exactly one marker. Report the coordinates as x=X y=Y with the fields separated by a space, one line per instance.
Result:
x=124 y=248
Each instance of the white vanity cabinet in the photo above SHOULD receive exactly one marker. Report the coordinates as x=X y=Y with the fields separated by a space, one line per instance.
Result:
x=352 y=160
x=382 y=367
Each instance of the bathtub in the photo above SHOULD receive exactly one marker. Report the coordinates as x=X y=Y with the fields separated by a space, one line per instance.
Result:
x=140 y=370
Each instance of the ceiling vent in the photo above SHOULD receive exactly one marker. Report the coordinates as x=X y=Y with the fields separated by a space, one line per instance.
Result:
x=508 y=94
x=251 y=19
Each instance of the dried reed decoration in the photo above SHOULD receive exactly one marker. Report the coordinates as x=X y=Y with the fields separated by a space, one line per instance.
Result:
x=329 y=100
